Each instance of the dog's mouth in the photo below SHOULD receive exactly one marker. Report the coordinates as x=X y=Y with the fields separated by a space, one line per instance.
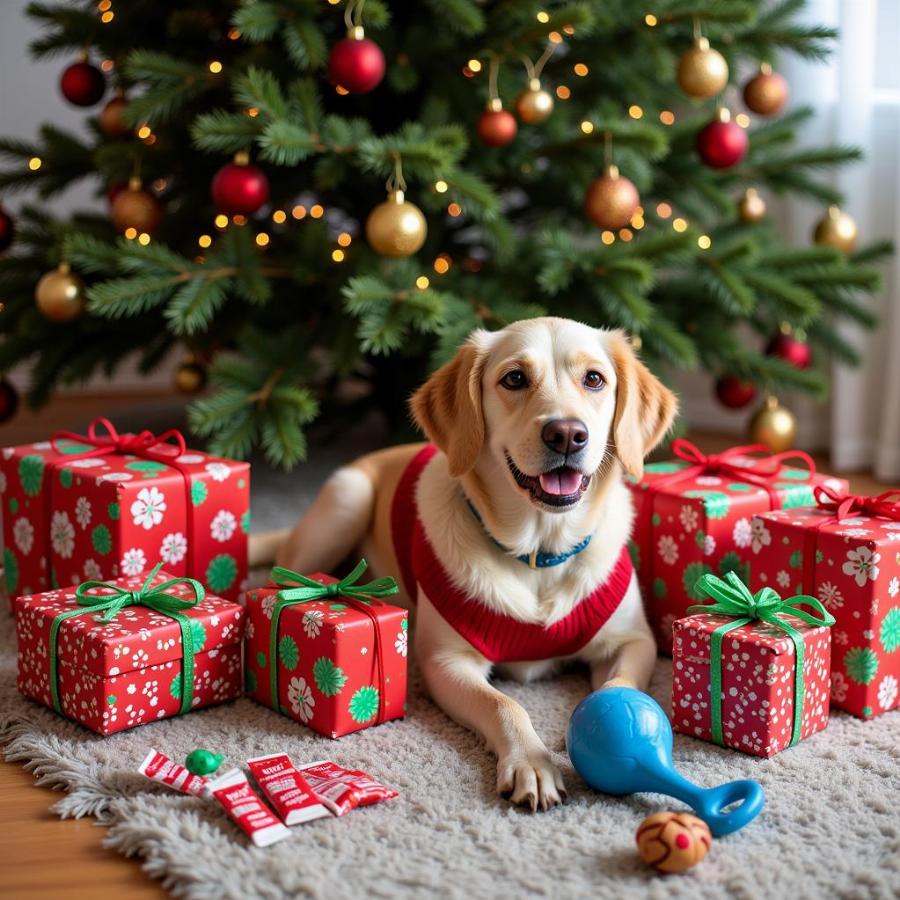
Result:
x=558 y=488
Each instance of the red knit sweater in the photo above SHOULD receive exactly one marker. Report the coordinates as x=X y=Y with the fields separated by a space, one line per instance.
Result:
x=500 y=638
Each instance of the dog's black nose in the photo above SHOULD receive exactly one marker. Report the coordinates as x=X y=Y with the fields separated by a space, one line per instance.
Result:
x=565 y=435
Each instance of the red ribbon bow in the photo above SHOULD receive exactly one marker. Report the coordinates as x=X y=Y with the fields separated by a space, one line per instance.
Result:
x=143 y=444
x=885 y=506
x=759 y=471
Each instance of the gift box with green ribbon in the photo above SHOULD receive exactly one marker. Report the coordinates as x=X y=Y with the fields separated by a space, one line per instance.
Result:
x=326 y=652
x=751 y=671
x=112 y=655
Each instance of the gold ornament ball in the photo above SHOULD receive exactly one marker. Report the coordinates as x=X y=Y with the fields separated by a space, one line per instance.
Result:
x=60 y=295
x=751 y=207
x=190 y=378
x=702 y=71
x=773 y=425
x=836 y=229
x=134 y=208
x=611 y=200
x=534 y=105
x=766 y=93
x=111 y=122
x=673 y=842
x=396 y=227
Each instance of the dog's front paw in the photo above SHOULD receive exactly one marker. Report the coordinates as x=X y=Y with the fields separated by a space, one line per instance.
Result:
x=529 y=778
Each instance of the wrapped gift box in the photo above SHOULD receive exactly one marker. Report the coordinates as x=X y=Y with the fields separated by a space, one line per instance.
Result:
x=340 y=663
x=759 y=674
x=853 y=567
x=127 y=671
x=112 y=505
x=694 y=515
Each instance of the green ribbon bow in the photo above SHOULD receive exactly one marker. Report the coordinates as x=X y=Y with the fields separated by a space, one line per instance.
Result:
x=732 y=597
x=308 y=589
x=112 y=604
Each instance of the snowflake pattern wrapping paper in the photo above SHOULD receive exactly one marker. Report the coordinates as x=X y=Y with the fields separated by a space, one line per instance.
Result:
x=128 y=671
x=758 y=679
x=70 y=516
x=853 y=567
x=327 y=665
x=688 y=527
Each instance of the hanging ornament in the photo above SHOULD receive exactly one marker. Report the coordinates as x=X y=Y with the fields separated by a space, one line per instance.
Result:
x=787 y=346
x=611 y=200
x=9 y=401
x=734 y=392
x=114 y=190
x=190 y=376
x=110 y=119
x=702 y=71
x=133 y=207
x=239 y=188
x=773 y=425
x=7 y=230
x=751 y=207
x=766 y=92
x=356 y=63
x=534 y=105
x=722 y=143
x=82 y=83
x=396 y=227
x=836 y=229
x=60 y=294
x=496 y=127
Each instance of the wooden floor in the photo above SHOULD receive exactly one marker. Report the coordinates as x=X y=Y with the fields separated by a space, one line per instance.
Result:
x=43 y=857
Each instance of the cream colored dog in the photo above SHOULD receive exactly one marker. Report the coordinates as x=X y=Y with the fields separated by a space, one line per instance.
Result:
x=536 y=424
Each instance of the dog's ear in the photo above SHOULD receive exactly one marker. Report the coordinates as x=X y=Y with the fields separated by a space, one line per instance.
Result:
x=448 y=406
x=645 y=407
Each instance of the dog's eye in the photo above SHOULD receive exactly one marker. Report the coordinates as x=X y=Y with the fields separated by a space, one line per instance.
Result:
x=593 y=381
x=514 y=380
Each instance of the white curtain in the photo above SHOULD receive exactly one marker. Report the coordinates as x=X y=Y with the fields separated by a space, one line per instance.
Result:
x=857 y=99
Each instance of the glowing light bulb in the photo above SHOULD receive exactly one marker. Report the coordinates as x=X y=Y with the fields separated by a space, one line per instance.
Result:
x=35 y=163
x=215 y=67
x=441 y=187
x=650 y=20
x=679 y=224
x=663 y=210
x=143 y=238
x=474 y=65
x=607 y=237
x=563 y=92
x=587 y=127
x=299 y=212
x=279 y=216
x=344 y=239
x=635 y=111
x=667 y=117
x=580 y=69
x=704 y=242
x=422 y=282
x=337 y=255
x=317 y=211
x=204 y=241
x=543 y=17
x=221 y=221
x=262 y=239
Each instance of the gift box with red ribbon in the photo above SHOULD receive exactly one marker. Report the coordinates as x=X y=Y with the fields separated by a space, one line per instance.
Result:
x=694 y=515
x=751 y=671
x=112 y=655
x=102 y=505
x=330 y=654
x=845 y=551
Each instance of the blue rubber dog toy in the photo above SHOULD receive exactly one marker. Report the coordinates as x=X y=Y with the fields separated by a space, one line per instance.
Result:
x=620 y=742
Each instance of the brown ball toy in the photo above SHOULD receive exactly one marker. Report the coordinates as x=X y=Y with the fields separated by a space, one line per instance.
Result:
x=673 y=842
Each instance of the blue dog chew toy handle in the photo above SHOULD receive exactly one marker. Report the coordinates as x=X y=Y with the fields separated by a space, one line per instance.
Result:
x=708 y=803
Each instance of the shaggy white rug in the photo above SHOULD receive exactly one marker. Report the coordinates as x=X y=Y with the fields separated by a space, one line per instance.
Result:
x=830 y=827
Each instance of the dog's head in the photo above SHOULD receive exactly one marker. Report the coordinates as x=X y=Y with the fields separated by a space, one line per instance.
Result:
x=549 y=400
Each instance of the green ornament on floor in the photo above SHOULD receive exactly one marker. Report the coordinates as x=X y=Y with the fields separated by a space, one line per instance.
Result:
x=203 y=762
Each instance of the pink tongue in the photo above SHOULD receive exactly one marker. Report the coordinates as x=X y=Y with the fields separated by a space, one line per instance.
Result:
x=560 y=482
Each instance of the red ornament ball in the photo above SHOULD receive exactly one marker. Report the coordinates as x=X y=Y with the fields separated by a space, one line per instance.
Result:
x=787 y=347
x=722 y=144
x=496 y=127
x=9 y=401
x=82 y=84
x=114 y=190
x=356 y=64
x=7 y=230
x=240 y=190
x=734 y=392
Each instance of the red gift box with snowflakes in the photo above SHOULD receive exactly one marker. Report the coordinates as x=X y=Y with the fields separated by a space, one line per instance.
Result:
x=128 y=671
x=104 y=505
x=759 y=672
x=340 y=665
x=694 y=515
x=852 y=565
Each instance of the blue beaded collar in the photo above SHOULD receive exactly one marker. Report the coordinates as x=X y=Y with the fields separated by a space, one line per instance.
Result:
x=539 y=560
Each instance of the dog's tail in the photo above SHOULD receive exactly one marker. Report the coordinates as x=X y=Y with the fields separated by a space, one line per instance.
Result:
x=328 y=532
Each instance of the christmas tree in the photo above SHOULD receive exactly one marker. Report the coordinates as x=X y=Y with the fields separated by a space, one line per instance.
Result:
x=317 y=200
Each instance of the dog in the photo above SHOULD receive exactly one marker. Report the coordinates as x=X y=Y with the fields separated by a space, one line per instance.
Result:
x=514 y=514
